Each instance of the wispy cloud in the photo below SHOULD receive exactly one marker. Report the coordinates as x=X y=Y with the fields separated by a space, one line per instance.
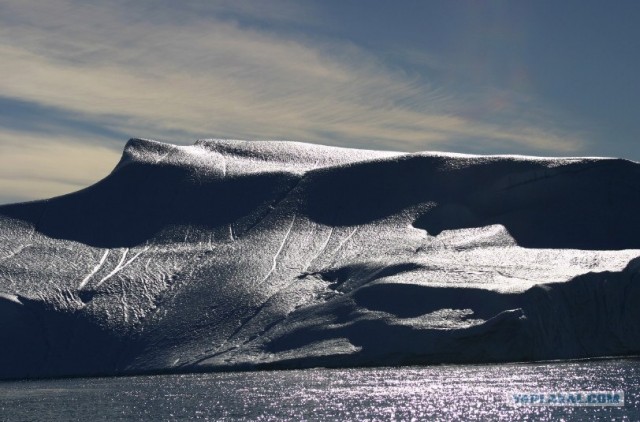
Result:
x=217 y=69
x=31 y=167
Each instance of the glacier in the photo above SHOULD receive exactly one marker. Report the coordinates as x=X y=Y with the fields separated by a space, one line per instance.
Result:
x=242 y=255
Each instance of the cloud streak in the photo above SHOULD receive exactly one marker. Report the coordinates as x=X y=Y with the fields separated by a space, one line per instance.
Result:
x=207 y=72
x=31 y=167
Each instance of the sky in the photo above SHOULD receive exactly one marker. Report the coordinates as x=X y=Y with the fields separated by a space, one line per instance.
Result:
x=78 y=78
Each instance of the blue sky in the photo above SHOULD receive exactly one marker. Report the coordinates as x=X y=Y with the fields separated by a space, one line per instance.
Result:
x=554 y=78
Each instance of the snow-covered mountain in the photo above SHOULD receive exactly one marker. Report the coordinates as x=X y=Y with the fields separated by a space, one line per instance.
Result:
x=240 y=255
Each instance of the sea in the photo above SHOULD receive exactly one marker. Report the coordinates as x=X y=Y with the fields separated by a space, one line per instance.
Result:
x=429 y=393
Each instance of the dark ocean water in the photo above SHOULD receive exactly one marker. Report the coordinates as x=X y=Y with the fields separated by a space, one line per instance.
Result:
x=473 y=392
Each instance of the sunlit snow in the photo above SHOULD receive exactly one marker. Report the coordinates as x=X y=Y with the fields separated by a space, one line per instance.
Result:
x=239 y=255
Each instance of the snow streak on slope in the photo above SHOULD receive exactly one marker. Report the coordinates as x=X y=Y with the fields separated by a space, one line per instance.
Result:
x=235 y=254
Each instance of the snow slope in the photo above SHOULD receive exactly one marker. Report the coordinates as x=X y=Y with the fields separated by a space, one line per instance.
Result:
x=240 y=255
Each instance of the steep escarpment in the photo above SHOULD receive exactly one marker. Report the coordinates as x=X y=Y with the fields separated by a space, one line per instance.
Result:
x=235 y=254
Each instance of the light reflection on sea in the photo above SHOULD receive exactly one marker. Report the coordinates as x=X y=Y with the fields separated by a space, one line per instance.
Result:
x=472 y=392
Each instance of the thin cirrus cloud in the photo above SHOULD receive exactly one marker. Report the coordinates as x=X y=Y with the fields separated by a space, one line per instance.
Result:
x=86 y=73
x=48 y=161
